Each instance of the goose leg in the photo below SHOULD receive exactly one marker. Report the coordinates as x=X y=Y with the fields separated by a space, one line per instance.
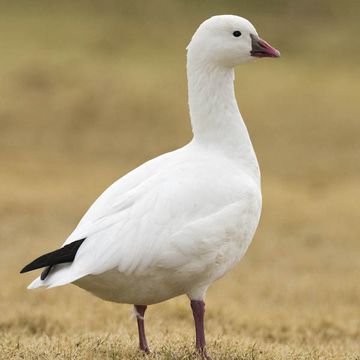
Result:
x=140 y=312
x=198 y=309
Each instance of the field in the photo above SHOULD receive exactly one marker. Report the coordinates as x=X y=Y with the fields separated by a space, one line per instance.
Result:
x=89 y=90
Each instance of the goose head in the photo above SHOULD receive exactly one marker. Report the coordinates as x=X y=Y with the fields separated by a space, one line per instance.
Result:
x=228 y=40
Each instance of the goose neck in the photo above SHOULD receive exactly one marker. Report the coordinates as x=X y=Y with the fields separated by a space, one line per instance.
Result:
x=215 y=116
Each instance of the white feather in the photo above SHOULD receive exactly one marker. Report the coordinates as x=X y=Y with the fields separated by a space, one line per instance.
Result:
x=180 y=221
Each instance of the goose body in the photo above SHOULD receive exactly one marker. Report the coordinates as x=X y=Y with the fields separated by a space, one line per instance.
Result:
x=180 y=221
x=175 y=225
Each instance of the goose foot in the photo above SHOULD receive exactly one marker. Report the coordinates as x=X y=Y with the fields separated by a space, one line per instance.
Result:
x=204 y=355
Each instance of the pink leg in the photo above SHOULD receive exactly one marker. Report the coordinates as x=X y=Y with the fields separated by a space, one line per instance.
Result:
x=198 y=309
x=140 y=312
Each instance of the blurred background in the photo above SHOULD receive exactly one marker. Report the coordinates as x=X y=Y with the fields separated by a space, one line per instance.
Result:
x=90 y=89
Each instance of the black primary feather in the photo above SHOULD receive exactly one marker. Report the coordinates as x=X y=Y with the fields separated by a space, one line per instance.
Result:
x=65 y=254
x=45 y=272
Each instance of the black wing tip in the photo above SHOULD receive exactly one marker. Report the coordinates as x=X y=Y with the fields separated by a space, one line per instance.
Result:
x=51 y=258
x=45 y=272
x=24 y=270
x=29 y=267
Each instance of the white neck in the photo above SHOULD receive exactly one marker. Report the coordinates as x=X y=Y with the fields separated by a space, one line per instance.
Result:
x=215 y=116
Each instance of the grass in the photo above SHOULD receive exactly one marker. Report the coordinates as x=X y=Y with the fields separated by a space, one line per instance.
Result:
x=81 y=91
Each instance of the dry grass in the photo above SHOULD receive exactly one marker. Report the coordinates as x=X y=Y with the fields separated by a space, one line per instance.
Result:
x=84 y=97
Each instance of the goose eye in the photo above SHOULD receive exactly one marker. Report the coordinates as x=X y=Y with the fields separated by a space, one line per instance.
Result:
x=236 y=33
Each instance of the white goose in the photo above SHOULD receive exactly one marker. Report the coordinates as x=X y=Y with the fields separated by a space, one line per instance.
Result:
x=180 y=221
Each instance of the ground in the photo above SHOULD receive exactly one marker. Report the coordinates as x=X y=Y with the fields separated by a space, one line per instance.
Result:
x=85 y=98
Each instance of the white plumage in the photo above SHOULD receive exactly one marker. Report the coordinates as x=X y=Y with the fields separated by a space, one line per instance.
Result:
x=172 y=226
x=180 y=221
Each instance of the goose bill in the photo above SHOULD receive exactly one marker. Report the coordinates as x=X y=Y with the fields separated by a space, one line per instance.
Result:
x=260 y=48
